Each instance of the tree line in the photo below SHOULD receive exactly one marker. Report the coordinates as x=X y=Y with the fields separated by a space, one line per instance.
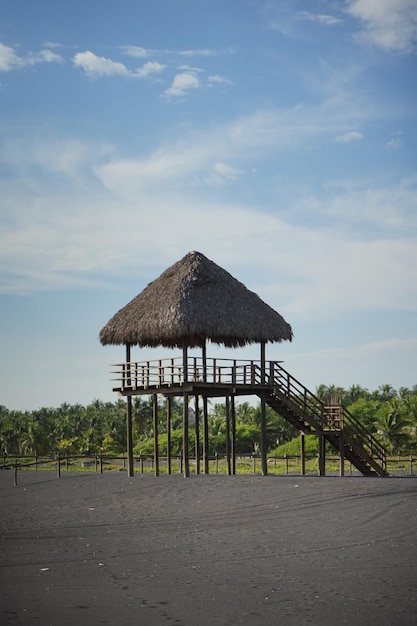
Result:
x=100 y=427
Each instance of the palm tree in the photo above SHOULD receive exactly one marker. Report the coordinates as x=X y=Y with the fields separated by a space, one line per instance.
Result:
x=392 y=427
x=354 y=393
x=245 y=413
x=385 y=393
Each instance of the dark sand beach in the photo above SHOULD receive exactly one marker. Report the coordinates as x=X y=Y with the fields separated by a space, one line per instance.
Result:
x=108 y=549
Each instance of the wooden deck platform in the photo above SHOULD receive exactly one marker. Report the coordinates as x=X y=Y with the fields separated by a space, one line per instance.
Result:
x=277 y=388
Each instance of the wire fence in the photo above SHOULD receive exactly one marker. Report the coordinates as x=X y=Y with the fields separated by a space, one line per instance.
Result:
x=218 y=464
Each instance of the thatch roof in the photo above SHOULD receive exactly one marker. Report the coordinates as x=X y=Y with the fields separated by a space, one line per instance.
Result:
x=192 y=301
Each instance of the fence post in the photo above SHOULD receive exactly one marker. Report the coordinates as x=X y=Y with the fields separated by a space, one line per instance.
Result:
x=286 y=463
x=254 y=463
x=217 y=462
x=411 y=464
x=15 y=473
x=58 y=465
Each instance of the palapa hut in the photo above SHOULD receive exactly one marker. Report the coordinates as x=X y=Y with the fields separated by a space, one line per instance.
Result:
x=193 y=301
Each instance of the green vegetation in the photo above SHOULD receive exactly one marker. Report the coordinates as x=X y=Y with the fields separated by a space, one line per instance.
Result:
x=100 y=428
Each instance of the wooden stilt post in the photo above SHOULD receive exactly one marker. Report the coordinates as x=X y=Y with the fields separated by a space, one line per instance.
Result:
x=169 y=416
x=229 y=469
x=303 y=453
x=129 y=429
x=233 y=439
x=321 y=455
x=206 y=458
x=205 y=417
x=263 y=416
x=197 y=436
x=185 y=451
x=342 y=454
x=155 y=434
x=264 y=462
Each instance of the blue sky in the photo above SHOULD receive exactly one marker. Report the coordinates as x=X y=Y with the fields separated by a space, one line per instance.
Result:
x=276 y=137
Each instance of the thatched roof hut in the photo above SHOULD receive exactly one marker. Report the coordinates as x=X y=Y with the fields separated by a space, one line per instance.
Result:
x=192 y=301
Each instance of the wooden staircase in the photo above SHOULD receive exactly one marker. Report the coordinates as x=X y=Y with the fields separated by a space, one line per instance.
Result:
x=306 y=412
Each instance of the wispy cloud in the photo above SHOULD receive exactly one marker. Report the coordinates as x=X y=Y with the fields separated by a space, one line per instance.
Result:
x=395 y=143
x=215 y=78
x=328 y=20
x=389 y=24
x=222 y=174
x=205 y=52
x=136 y=51
x=10 y=60
x=352 y=135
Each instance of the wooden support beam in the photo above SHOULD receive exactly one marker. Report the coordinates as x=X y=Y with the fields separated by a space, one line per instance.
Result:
x=321 y=455
x=206 y=458
x=155 y=434
x=303 y=453
x=233 y=437
x=185 y=451
x=169 y=418
x=342 y=454
x=197 y=436
x=129 y=428
x=229 y=468
x=263 y=438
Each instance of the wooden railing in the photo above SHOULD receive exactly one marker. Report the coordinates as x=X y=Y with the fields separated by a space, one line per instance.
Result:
x=170 y=372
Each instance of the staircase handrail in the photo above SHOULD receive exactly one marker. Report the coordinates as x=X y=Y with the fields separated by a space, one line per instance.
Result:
x=355 y=429
x=310 y=402
x=296 y=391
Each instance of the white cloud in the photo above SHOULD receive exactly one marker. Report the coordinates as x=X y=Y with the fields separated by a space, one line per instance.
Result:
x=44 y=56
x=94 y=65
x=9 y=60
x=189 y=68
x=151 y=67
x=389 y=24
x=353 y=135
x=325 y=268
x=351 y=275
x=136 y=51
x=366 y=207
x=181 y=85
x=328 y=20
x=198 y=53
x=222 y=174
x=219 y=79
x=186 y=162
x=395 y=143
